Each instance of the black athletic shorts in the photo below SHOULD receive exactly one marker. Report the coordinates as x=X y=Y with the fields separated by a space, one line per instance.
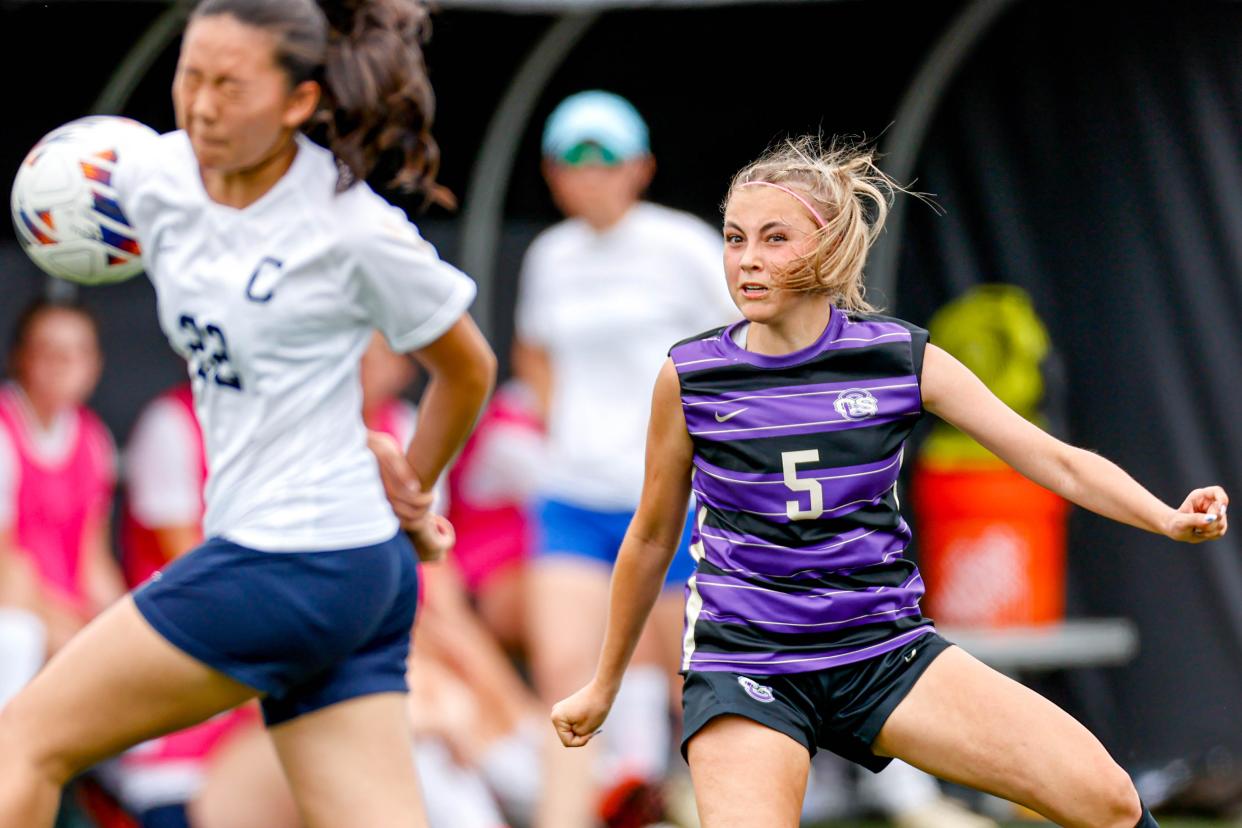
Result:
x=840 y=709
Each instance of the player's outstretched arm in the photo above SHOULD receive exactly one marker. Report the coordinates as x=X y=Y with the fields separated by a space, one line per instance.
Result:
x=642 y=561
x=953 y=393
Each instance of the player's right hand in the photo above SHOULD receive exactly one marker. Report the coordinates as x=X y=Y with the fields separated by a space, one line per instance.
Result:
x=578 y=718
x=402 y=486
x=433 y=538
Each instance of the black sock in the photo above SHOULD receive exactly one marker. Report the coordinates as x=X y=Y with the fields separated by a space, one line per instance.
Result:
x=1147 y=820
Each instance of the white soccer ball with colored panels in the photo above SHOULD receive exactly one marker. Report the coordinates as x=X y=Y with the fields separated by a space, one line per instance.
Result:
x=65 y=208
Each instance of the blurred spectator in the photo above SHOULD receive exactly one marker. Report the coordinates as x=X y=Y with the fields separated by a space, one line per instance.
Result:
x=603 y=296
x=23 y=636
x=490 y=488
x=165 y=472
x=385 y=375
x=475 y=722
x=57 y=474
x=477 y=725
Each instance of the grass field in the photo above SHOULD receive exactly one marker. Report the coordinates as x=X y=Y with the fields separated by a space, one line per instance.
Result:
x=1164 y=823
x=72 y=816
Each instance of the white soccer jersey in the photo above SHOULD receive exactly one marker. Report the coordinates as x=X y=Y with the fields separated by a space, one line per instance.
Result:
x=272 y=306
x=607 y=307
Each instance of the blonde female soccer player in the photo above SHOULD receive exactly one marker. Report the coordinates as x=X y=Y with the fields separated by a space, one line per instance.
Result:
x=803 y=627
x=273 y=263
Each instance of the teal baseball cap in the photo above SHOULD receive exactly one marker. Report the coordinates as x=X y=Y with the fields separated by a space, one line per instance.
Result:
x=595 y=127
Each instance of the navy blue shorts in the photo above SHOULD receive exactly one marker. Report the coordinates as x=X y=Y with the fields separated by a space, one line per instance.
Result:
x=305 y=629
x=566 y=529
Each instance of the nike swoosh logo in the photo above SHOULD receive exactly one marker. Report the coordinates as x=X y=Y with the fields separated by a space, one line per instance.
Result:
x=730 y=415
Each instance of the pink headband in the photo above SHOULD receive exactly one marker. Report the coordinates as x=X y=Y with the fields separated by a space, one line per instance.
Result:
x=801 y=200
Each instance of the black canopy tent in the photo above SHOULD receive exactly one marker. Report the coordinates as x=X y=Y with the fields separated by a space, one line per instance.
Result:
x=571 y=19
x=1089 y=153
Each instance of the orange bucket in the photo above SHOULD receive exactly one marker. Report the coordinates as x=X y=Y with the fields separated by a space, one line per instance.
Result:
x=991 y=547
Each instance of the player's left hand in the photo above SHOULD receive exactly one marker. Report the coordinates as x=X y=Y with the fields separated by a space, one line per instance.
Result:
x=1201 y=517
x=401 y=483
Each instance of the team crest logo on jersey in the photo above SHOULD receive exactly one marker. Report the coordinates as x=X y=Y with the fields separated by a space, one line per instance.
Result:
x=756 y=691
x=856 y=404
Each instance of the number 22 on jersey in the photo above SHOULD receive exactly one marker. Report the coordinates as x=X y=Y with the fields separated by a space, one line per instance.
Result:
x=209 y=352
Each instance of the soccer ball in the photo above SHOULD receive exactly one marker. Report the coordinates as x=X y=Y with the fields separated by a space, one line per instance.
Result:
x=64 y=205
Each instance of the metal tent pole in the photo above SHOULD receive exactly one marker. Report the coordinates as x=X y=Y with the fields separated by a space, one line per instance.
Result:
x=483 y=212
x=914 y=115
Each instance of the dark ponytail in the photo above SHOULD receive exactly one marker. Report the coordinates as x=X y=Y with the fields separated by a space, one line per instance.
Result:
x=377 y=105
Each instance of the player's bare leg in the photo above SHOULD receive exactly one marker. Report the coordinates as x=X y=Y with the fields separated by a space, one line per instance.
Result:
x=115 y=684
x=966 y=723
x=245 y=786
x=567 y=606
x=747 y=775
x=352 y=763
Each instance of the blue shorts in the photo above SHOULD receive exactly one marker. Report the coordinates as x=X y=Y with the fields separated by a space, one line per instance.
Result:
x=564 y=529
x=305 y=629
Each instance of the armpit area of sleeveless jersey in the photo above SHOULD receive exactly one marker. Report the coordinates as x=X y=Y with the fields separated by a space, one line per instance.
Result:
x=799 y=538
x=272 y=306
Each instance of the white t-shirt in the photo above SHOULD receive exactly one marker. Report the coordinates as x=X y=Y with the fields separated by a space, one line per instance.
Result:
x=503 y=467
x=272 y=307
x=162 y=471
x=607 y=307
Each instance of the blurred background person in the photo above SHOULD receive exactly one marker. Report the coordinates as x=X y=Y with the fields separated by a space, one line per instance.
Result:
x=476 y=723
x=602 y=297
x=165 y=472
x=23 y=636
x=57 y=475
x=491 y=485
x=385 y=376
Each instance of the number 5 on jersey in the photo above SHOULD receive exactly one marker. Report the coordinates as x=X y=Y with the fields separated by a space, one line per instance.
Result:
x=209 y=353
x=789 y=463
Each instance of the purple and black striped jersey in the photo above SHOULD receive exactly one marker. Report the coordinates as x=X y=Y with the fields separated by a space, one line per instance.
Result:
x=798 y=535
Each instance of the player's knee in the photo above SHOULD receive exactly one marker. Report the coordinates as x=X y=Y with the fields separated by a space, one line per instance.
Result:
x=1117 y=800
x=23 y=752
